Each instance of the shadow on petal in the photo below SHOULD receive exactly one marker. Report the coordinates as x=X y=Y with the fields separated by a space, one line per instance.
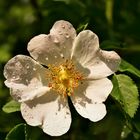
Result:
x=48 y=98
x=80 y=97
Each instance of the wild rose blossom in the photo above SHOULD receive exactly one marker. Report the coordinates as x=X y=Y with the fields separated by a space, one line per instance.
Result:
x=75 y=67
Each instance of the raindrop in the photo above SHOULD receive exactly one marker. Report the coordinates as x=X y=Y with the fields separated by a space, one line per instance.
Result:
x=63 y=26
x=18 y=64
x=67 y=35
x=14 y=77
x=60 y=33
x=56 y=40
x=27 y=67
x=62 y=55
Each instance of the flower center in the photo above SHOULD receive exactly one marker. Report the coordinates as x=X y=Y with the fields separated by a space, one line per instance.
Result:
x=64 y=78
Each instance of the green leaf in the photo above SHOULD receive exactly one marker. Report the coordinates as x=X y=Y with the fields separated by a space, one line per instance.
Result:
x=82 y=27
x=126 y=67
x=18 y=132
x=126 y=93
x=11 y=106
x=24 y=132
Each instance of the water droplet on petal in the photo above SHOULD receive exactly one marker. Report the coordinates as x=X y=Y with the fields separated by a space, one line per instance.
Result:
x=56 y=40
x=62 y=55
x=63 y=26
x=14 y=77
x=67 y=36
x=60 y=33
x=27 y=67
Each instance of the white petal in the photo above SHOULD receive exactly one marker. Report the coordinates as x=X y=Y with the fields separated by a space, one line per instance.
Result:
x=95 y=90
x=105 y=64
x=86 y=51
x=64 y=32
x=94 y=112
x=52 y=48
x=85 y=47
x=50 y=111
x=88 y=98
x=25 y=77
x=43 y=49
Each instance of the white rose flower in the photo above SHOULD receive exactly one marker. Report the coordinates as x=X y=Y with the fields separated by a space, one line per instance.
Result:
x=75 y=67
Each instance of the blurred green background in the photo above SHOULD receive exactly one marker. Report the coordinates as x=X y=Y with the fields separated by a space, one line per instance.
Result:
x=116 y=22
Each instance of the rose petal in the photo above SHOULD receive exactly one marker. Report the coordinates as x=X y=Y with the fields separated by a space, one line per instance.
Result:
x=105 y=64
x=25 y=77
x=86 y=51
x=95 y=90
x=54 y=47
x=85 y=47
x=43 y=49
x=50 y=111
x=89 y=96
x=64 y=32
x=93 y=112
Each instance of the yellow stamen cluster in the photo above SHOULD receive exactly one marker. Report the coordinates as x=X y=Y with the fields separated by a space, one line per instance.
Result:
x=64 y=78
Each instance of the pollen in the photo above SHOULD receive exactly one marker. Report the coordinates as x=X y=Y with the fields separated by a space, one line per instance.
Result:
x=64 y=78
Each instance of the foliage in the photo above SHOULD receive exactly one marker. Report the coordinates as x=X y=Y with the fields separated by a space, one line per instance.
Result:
x=126 y=93
x=116 y=22
x=11 y=106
